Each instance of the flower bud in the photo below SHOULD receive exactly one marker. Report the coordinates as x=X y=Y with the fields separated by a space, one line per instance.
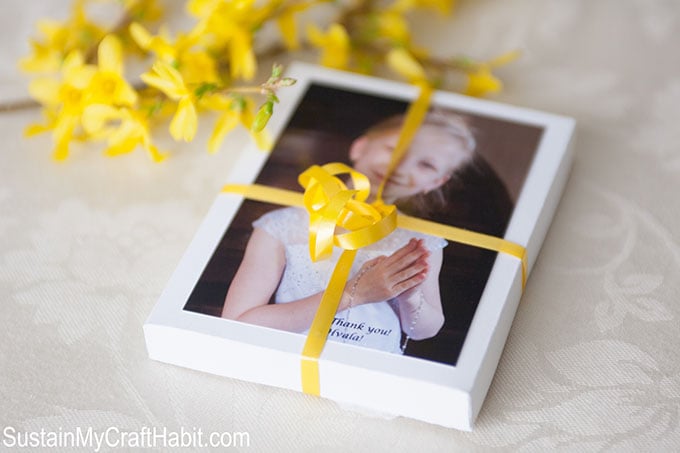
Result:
x=262 y=116
x=287 y=81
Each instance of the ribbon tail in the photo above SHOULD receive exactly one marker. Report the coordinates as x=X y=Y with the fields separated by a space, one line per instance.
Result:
x=463 y=236
x=265 y=194
x=415 y=115
x=321 y=324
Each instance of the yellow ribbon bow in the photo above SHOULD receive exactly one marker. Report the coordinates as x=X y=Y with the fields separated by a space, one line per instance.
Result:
x=331 y=204
x=332 y=207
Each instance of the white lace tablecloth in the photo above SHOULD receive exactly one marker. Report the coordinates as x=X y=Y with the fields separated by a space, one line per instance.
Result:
x=592 y=361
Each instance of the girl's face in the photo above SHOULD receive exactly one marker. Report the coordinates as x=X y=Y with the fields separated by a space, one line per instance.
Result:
x=432 y=158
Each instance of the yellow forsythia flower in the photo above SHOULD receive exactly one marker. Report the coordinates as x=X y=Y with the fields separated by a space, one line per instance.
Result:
x=334 y=45
x=227 y=26
x=241 y=55
x=226 y=122
x=442 y=6
x=81 y=85
x=44 y=58
x=147 y=10
x=157 y=44
x=202 y=8
x=185 y=122
x=234 y=111
x=288 y=25
x=481 y=81
x=124 y=129
x=393 y=26
x=108 y=84
x=288 y=28
x=167 y=79
x=59 y=39
x=64 y=100
x=196 y=66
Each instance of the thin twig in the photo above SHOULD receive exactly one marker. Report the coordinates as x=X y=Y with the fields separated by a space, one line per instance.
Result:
x=18 y=105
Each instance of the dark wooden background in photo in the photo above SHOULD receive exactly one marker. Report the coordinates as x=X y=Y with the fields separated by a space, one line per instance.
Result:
x=321 y=130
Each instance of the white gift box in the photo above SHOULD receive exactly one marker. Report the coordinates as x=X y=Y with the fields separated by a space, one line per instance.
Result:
x=528 y=150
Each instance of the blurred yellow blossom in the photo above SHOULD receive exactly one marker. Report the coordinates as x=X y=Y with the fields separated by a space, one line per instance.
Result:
x=234 y=111
x=168 y=80
x=64 y=100
x=78 y=32
x=81 y=85
x=198 y=67
x=44 y=58
x=287 y=22
x=393 y=26
x=195 y=66
x=442 y=6
x=64 y=94
x=185 y=122
x=108 y=84
x=160 y=45
x=334 y=44
x=148 y=10
x=226 y=122
x=481 y=81
x=241 y=55
x=124 y=129
x=227 y=26
x=88 y=97
x=288 y=27
x=202 y=8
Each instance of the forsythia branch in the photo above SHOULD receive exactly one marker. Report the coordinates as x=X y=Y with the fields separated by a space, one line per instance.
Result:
x=85 y=95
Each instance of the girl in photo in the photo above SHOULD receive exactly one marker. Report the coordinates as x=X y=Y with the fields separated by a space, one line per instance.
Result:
x=393 y=289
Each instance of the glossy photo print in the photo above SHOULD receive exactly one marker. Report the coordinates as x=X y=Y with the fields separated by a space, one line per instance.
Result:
x=409 y=293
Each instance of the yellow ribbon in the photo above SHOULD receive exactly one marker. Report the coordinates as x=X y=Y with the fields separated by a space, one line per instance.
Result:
x=414 y=117
x=289 y=198
x=468 y=237
x=332 y=207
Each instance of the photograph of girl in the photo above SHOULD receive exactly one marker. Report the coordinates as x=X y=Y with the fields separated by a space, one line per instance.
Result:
x=399 y=292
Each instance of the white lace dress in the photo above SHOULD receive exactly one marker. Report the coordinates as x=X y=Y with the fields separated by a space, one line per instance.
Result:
x=374 y=325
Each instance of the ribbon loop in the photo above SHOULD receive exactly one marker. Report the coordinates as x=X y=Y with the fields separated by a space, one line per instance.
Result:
x=332 y=206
